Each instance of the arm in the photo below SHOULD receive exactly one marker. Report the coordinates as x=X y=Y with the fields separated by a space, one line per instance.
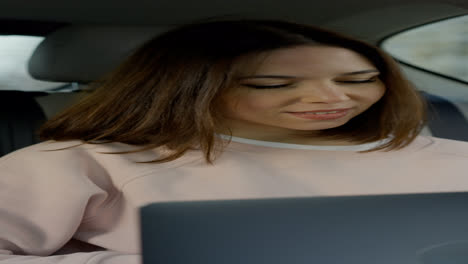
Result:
x=44 y=196
x=98 y=257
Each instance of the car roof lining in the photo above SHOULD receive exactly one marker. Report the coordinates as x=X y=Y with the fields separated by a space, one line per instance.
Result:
x=173 y=12
x=66 y=64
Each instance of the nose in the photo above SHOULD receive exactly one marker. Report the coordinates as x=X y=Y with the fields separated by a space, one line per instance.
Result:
x=324 y=93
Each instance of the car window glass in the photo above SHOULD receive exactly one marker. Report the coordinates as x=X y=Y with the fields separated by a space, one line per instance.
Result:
x=440 y=47
x=15 y=52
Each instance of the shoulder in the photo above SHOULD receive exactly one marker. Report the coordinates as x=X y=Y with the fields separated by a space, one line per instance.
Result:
x=58 y=150
x=442 y=146
x=72 y=155
x=43 y=151
x=56 y=165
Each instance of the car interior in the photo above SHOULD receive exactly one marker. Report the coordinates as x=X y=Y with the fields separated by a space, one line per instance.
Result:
x=86 y=39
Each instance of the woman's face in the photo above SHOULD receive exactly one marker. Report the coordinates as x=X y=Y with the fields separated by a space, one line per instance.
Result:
x=314 y=78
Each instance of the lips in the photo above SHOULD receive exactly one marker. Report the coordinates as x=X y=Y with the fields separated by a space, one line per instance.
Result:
x=321 y=116
x=326 y=110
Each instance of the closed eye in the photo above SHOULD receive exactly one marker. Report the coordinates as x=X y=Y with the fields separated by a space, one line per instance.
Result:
x=286 y=85
x=363 y=81
x=266 y=86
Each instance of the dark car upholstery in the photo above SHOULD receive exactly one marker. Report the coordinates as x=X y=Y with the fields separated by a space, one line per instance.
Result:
x=20 y=117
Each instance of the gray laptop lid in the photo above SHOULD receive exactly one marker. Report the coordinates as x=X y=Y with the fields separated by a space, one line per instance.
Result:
x=430 y=228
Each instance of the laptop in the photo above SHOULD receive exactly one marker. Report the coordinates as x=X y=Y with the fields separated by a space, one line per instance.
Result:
x=424 y=228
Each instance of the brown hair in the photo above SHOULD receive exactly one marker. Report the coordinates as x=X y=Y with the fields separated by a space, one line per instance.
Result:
x=167 y=94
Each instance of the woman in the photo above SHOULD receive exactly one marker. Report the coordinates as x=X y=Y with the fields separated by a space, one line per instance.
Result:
x=223 y=109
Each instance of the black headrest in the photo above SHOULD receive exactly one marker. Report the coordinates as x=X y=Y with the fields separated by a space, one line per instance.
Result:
x=85 y=53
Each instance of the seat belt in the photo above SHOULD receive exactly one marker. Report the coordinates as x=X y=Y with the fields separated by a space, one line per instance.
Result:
x=445 y=120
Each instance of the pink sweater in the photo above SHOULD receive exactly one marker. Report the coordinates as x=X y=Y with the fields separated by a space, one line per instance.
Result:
x=79 y=206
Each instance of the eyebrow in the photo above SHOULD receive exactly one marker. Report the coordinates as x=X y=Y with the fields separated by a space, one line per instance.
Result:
x=294 y=77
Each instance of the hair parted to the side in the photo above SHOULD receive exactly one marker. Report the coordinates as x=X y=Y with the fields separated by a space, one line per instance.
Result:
x=167 y=94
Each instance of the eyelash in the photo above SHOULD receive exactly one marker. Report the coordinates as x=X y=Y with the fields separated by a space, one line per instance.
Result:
x=285 y=85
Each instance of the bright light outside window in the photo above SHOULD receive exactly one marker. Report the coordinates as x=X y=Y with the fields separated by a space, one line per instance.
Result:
x=15 y=52
x=440 y=47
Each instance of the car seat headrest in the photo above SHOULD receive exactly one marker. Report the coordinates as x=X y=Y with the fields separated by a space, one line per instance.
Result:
x=84 y=53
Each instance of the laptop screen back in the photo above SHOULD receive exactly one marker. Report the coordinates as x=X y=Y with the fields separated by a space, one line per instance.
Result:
x=429 y=228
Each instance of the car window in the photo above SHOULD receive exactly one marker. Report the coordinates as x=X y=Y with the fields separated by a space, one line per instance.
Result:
x=440 y=47
x=15 y=51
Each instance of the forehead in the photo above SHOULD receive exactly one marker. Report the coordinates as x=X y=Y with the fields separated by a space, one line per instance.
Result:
x=312 y=61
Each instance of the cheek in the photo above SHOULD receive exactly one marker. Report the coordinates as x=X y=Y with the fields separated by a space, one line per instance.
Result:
x=375 y=94
x=239 y=106
x=258 y=104
x=248 y=104
x=381 y=91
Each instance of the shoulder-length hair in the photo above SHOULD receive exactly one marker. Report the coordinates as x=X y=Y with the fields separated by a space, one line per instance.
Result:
x=167 y=94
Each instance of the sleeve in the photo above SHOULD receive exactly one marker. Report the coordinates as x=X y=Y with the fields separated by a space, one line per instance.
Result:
x=98 y=257
x=44 y=196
